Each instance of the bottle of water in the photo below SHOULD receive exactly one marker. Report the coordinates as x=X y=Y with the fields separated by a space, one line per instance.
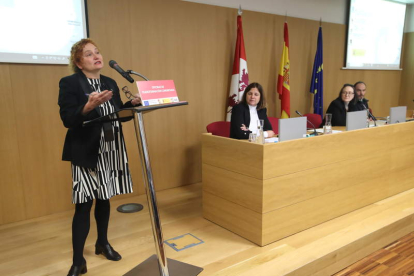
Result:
x=327 y=128
x=260 y=134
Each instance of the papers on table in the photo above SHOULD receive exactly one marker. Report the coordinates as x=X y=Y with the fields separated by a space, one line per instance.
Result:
x=272 y=140
x=320 y=130
x=276 y=139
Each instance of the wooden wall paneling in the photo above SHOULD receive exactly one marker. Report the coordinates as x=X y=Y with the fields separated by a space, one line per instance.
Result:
x=215 y=63
x=167 y=41
x=407 y=80
x=12 y=204
x=263 y=50
x=40 y=138
x=57 y=172
x=333 y=60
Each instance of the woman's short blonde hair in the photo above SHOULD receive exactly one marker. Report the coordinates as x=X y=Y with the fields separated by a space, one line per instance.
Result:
x=76 y=53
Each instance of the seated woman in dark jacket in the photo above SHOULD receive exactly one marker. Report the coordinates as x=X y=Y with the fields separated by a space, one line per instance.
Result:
x=345 y=102
x=245 y=114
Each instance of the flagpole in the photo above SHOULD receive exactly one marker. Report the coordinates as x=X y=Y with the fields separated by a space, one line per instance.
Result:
x=240 y=75
x=283 y=79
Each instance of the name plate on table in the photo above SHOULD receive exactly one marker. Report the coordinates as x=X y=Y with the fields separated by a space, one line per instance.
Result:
x=157 y=92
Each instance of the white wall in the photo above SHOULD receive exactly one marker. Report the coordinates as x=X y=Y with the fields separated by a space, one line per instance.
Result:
x=334 y=11
x=409 y=19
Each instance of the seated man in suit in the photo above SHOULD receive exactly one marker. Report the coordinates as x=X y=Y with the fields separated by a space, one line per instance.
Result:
x=360 y=90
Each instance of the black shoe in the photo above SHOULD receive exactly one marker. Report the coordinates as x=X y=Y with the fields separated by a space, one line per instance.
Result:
x=107 y=251
x=76 y=270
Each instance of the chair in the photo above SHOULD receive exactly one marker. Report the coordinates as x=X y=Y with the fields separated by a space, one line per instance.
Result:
x=275 y=124
x=315 y=119
x=220 y=128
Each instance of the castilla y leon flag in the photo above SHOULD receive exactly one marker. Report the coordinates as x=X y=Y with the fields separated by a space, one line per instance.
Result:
x=283 y=81
x=240 y=76
x=316 y=86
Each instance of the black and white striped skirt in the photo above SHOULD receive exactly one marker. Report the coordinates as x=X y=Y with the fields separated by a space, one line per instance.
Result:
x=110 y=177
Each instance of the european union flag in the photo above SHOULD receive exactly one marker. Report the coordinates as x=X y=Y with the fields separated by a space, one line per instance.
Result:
x=316 y=86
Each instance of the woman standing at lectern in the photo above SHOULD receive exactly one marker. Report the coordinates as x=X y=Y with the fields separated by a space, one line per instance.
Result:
x=97 y=153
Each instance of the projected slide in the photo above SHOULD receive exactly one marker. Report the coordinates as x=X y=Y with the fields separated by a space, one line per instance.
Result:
x=375 y=34
x=40 y=31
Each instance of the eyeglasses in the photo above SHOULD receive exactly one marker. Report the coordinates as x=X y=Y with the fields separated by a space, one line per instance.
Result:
x=128 y=94
x=347 y=93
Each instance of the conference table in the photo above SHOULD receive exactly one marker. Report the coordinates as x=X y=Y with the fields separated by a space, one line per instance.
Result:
x=265 y=192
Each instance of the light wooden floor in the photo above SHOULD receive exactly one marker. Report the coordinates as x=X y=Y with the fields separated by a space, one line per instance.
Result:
x=43 y=246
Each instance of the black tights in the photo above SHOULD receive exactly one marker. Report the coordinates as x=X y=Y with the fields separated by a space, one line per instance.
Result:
x=81 y=225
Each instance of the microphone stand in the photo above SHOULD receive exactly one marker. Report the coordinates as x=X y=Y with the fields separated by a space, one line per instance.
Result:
x=315 y=133
x=138 y=74
x=369 y=113
x=132 y=207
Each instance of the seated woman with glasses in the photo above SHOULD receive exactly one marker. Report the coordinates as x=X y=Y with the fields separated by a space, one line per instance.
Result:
x=248 y=111
x=97 y=153
x=345 y=102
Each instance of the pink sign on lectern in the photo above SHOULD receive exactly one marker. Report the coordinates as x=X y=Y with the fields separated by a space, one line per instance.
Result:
x=157 y=92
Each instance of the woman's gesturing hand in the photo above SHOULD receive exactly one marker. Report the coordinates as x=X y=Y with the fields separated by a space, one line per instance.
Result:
x=95 y=99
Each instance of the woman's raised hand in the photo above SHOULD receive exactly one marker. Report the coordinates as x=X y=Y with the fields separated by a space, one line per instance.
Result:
x=95 y=99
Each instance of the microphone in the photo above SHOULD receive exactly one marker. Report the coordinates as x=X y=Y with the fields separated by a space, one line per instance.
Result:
x=314 y=128
x=121 y=71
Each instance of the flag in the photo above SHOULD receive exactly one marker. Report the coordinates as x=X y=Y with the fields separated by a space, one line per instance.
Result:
x=316 y=87
x=283 y=81
x=240 y=76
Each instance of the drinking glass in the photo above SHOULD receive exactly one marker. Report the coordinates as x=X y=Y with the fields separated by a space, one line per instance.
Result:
x=252 y=137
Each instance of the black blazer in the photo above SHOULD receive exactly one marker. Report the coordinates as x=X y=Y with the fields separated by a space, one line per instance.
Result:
x=360 y=105
x=82 y=143
x=240 y=114
x=338 y=111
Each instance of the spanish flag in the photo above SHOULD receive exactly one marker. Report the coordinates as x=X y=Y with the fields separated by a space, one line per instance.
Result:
x=283 y=81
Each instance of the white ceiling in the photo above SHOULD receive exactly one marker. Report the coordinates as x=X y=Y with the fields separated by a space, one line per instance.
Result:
x=334 y=11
